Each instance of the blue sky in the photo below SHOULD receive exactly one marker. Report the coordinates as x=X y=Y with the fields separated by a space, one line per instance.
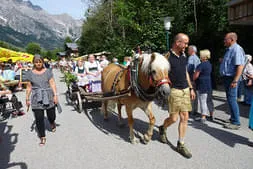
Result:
x=75 y=8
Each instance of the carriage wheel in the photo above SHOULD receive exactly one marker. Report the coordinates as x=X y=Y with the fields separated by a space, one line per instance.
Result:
x=68 y=97
x=78 y=103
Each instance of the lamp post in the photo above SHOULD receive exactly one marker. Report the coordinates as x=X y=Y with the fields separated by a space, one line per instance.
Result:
x=167 y=26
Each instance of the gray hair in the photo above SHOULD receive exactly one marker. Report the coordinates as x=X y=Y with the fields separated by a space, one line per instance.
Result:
x=249 y=57
x=194 y=48
x=233 y=36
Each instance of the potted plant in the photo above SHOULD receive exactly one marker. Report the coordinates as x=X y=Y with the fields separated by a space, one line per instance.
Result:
x=69 y=78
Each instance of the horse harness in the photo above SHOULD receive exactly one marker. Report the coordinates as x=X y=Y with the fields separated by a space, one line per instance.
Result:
x=116 y=81
x=132 y=71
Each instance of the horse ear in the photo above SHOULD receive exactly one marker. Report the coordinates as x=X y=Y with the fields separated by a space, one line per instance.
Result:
x=152 y=57
x=167 y=55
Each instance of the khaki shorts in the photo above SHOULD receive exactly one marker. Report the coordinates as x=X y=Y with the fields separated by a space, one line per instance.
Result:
x=179 y=100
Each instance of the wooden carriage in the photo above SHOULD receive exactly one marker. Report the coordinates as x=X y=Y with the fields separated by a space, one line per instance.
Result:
x=83 y=98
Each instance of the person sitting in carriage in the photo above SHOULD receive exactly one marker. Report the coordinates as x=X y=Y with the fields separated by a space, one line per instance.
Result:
x=93 y=71
x=6 y=95
x=81 y=74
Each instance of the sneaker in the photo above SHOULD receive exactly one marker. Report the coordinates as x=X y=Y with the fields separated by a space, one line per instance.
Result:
x=162 y=133
x=183 y=150
x=240 y=100
x=232 y=126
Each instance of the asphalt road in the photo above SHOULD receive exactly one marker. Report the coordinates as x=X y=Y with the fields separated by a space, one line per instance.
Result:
x=85 y=141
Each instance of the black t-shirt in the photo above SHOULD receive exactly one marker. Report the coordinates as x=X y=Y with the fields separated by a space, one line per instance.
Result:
x=178 y=71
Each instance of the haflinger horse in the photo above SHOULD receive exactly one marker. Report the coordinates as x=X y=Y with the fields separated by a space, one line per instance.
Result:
x=144 y=81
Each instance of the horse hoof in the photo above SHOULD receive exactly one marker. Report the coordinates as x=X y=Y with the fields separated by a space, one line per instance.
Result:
x=134 y=140
x=146 y=139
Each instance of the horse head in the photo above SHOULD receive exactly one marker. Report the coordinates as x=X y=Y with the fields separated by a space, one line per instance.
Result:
x=153 y=73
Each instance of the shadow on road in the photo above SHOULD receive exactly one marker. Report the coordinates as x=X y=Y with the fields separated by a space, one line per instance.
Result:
x=47 y=126
x=7 y=146
x=111 y=127
x=244 y=109
x=222 y=135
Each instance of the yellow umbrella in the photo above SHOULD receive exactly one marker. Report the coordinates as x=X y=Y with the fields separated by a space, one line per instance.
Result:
x=6 y=54
x=3 y=59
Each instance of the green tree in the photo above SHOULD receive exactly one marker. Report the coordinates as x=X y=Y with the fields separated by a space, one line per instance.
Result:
x=9 y=46
x=33 y=48
x=119 y=26
x=68 y=40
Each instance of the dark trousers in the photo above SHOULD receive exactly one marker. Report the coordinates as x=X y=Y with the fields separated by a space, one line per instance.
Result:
x=39 y=118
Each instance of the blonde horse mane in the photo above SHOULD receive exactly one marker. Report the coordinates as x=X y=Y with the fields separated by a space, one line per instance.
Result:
x=159 y=62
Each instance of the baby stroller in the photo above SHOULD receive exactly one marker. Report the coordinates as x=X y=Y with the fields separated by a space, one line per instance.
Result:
x=10 y=107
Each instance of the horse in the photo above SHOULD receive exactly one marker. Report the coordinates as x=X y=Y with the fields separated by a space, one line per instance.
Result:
x=144 y=81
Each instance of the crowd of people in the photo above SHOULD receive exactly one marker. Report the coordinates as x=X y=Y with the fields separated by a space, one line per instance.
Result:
x=9 y=84
x=191 y=83
x=236 y=71
x=193 y=75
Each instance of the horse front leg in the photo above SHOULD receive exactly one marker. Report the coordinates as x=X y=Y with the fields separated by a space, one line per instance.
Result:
x=130 y=119
x=148 y=135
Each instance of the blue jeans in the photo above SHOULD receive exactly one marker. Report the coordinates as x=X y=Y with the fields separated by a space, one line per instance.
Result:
x=241 y=89
x=251 y=115
x=248 y=95
x=231 y=94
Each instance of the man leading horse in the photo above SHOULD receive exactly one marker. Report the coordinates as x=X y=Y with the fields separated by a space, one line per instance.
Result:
x=181 y=93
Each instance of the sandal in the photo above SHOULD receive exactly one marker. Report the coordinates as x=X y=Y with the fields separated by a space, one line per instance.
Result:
x=42 y=141
x=53 y=127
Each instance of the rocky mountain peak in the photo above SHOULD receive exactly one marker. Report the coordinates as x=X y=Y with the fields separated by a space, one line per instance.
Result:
x=28 y=4
x=23 y=17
